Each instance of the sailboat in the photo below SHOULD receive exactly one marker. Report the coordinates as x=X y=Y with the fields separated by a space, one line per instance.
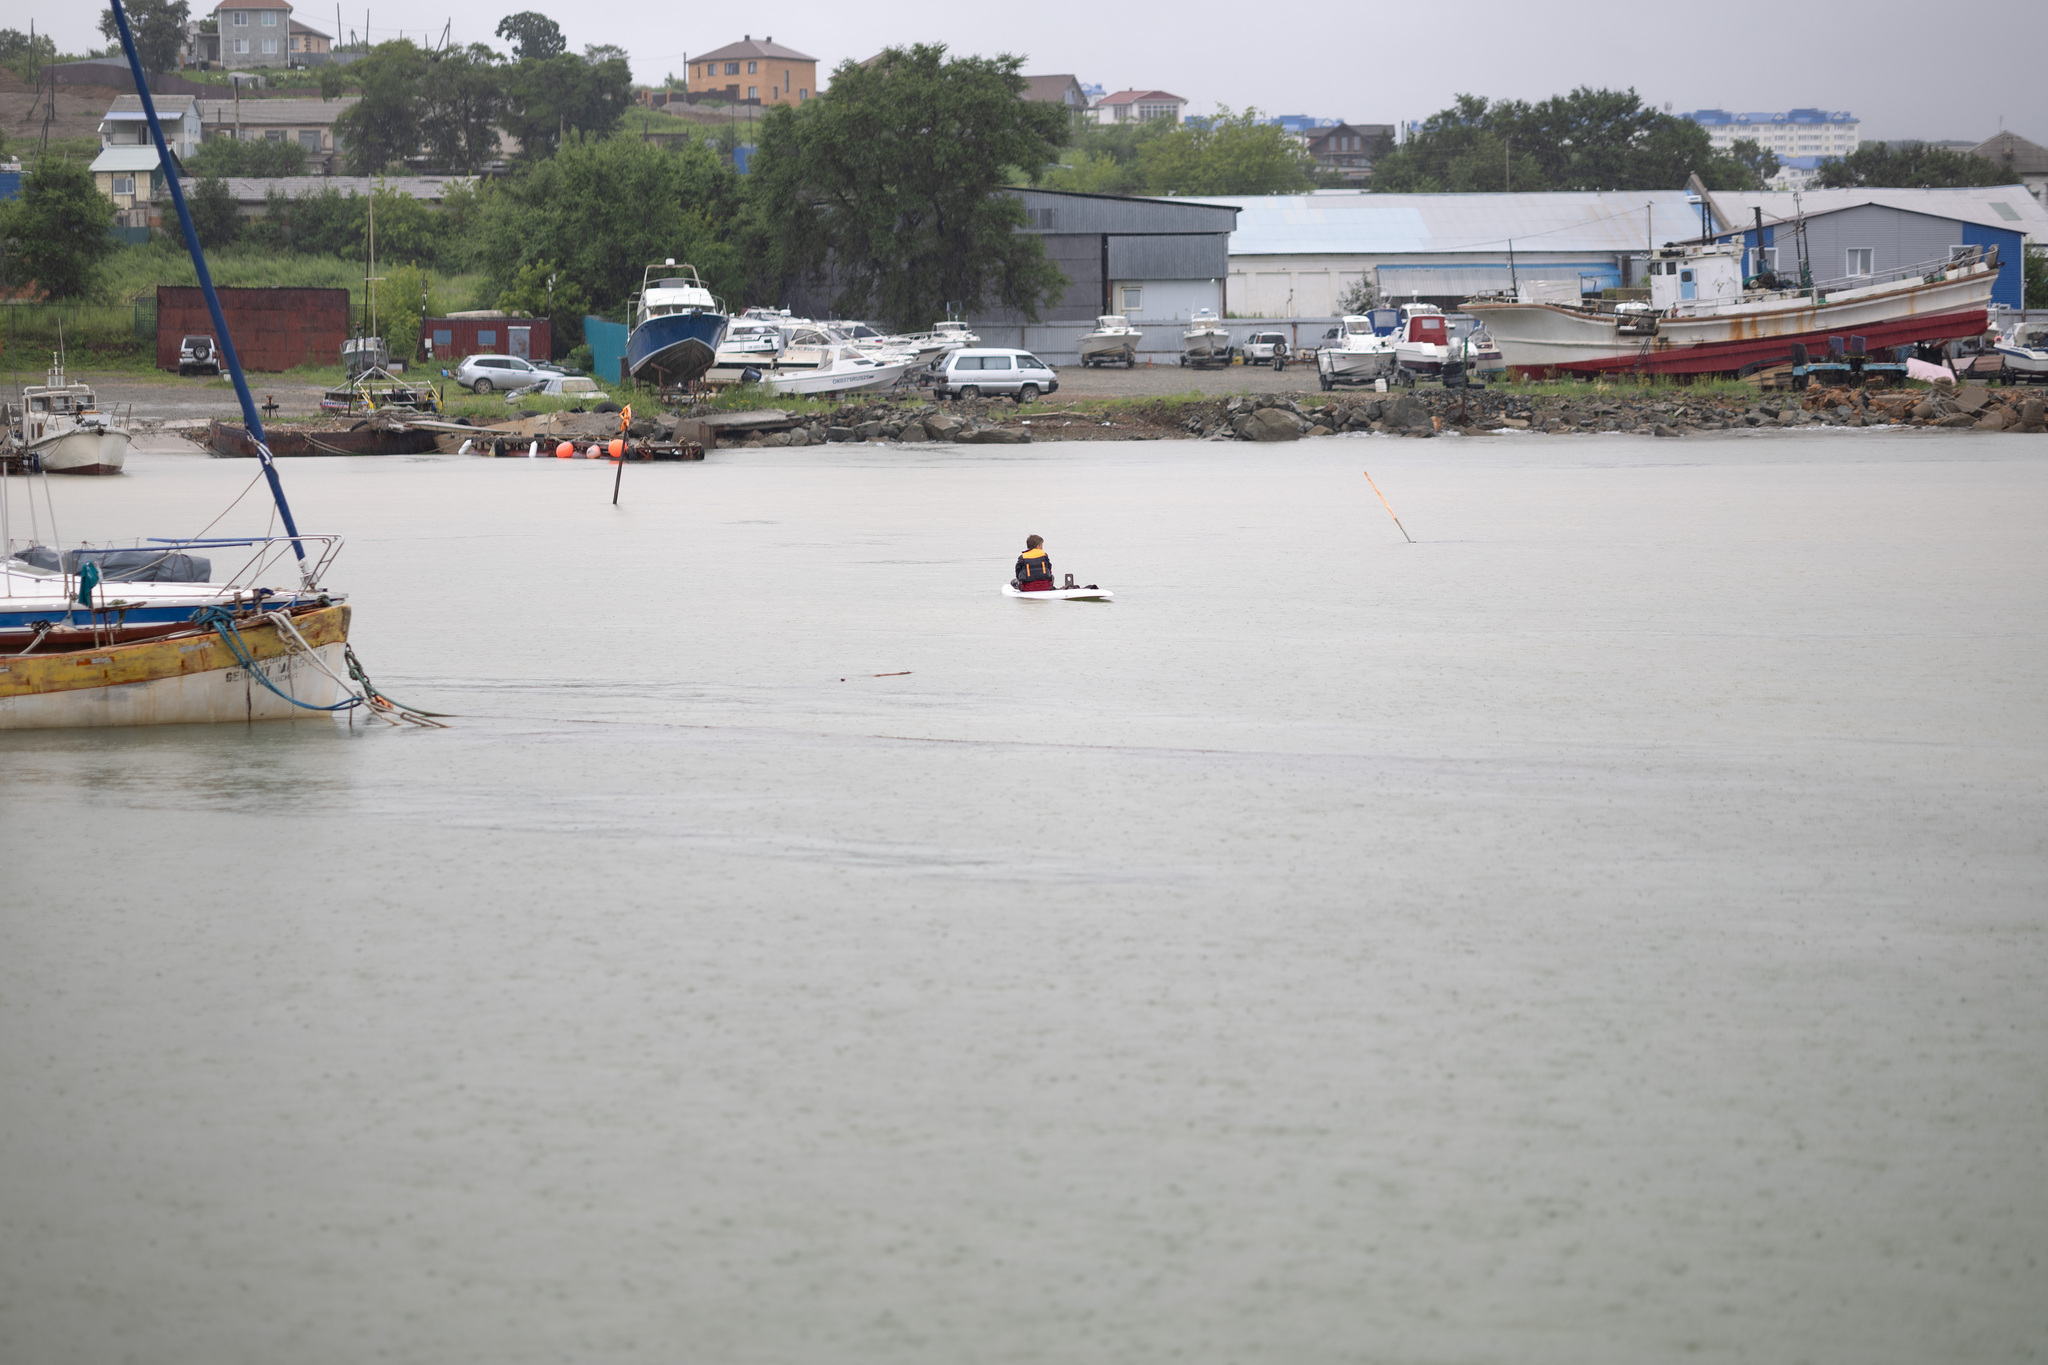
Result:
x=146 y=635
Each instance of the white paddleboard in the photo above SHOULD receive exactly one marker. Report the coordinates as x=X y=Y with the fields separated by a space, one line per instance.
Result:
x=1065 y=594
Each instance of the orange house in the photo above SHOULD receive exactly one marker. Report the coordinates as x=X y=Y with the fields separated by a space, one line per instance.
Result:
x=750 y=70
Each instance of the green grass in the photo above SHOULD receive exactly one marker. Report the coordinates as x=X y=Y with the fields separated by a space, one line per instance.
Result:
x=133 y=273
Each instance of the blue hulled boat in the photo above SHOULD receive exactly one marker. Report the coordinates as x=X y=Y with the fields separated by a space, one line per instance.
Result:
x=677 y=326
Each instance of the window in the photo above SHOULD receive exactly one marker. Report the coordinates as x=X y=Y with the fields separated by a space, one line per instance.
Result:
x=486 y=337
x=443 y=337
x=1031 y=362
x=1134 y=298
x=802 y=95
x=1859 y=260
x=732 y=68
x=274 y=135
x=753 y=92
x=241 y=44
x=753 y=68
x=309 y=138
x=241 y=19
x=270 y=18
x=995 y=362
x=967 y=362
x=124 y=184
x=270 y=44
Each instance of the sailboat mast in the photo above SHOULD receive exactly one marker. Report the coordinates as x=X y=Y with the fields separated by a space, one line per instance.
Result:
x=250 y=419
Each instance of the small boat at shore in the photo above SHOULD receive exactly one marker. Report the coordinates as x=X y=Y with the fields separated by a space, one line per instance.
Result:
x=59 y=428
x=677 y=326
x=841 y=368
x=1114 y=339
x=1087 y=593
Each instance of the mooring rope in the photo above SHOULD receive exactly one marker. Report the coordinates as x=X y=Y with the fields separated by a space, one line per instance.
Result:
x=383 y=707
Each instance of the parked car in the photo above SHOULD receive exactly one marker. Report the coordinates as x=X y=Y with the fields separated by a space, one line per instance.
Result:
x=970 y=374
x=483 y=373
x=1265 y=348
x=560 y=386
x=198 y=355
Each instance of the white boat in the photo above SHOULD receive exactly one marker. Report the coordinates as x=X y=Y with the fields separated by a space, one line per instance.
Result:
x=1423 y=341
x=749 y=344
x=955 y=334
x=1206 y=341
x=1363 y=350
x=1090 y=593
x=59 y=428
x=1113 y=339
x=841 y=369
x=1475 y=346
x=1705 y=318
x=677 y=326
x=919 y=348
x=2025 y=352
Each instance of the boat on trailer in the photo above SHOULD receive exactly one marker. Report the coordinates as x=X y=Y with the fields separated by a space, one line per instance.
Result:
x=59 y=428
x=1113 y=340
x=1704 y=317
x=677 y=326
x=1205 y=341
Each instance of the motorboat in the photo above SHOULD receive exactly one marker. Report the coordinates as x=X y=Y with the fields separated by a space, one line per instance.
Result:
x=59 y=428
x=1362 y=351
x=1206 y=341
x=919 y=348
x=1475 y=346
x=842 y=368
x=2025 y=353
x=677 y=326
x=1087 y=593
x=1706 y=317
x=749 y=344
x=1422 y=343
x=1112 y=340
x=955 y=334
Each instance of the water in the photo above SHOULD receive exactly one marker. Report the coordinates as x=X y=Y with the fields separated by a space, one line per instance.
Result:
x=1608 y=929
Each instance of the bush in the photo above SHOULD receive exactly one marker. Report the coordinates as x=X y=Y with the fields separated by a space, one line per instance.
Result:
x=263 y=160
x=215 y=216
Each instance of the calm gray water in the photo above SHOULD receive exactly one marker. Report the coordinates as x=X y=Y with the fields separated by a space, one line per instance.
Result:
x=1608 y=930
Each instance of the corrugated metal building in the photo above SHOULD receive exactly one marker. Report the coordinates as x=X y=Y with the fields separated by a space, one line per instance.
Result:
x=500 y=334
x=274 y=329
x=1296 y=255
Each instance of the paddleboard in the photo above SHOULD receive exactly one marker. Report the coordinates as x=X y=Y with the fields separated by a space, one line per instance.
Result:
x=1088 y=594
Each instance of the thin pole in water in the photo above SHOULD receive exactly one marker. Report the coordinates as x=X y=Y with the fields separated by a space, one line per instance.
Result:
x=1389 y=506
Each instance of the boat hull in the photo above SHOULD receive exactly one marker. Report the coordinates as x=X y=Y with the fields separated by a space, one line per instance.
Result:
x=1062 y=594
x=187 y=679
x=231 y=439
x=837 y=380
x=674 y=348
x=1538 y=338
x=83 y=450
x=1113 y=347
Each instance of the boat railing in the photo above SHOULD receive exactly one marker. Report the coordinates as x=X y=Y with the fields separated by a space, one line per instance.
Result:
x=266 y=552
x=1962 y=258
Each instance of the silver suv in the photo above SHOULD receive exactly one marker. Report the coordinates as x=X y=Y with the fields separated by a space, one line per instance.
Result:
x=483 y=373
x=198 y=355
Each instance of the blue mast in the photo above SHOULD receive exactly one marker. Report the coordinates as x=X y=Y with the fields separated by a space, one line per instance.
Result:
x=220 y=322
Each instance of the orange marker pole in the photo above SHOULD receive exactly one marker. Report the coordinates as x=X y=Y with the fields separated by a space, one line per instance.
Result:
x=1389 y=506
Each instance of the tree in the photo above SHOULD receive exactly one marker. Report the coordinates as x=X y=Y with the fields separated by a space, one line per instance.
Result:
x=534 y=36
x=158 y=27
x=1587 y=140
x=461 y=107
x=215 y=215
x=598 y=211
x=1908 y=165
x=2034 y=267
x=889 y=185
x=1360 y=298
x=547 y=100
x=383 y=128
x=1756 y=162
x=61 y=228
x=1227 y=154
x=1103 y=157
x=23 y=56
x=256 y=160
x=561 y=302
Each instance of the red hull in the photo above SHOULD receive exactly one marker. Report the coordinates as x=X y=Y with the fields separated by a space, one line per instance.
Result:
x=1727 y=357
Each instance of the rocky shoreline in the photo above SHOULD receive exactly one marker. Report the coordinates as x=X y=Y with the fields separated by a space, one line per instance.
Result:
x=1423 y=413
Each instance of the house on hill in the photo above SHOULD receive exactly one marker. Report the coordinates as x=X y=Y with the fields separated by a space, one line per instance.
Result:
x=1065 y=91
x=753 y=69
x=254 y=33
x=1137 y=106
x=2026 y=162
x=1346 y=150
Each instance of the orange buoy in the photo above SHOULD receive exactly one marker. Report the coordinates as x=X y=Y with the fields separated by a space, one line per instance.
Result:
x=565 y=451
x=618 y=449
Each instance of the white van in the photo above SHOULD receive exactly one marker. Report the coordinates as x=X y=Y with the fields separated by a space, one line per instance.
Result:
x=971 y=374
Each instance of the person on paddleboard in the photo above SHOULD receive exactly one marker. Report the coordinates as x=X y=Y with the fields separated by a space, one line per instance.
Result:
x=1034 y=567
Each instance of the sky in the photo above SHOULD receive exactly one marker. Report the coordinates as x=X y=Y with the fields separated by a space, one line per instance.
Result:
x=1904 y=73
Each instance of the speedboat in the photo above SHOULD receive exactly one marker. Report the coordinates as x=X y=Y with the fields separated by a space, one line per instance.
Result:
x=58 y=428
x=919 y=348
x=955 y=334
x=1474 y=345
x=2025 y=353
x=1206 y=340
x=1113 y=339
x=1423 y=342
x=748 y=345
x=842 y=368
x=1362 y=351
x=677 y=326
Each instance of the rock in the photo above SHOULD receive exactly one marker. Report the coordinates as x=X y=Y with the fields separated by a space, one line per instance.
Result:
x=799 y=437
x=1514 y=424
x=1790 y=417
x=1973 y=398
x=998 y=436
x=913 y=434
x=868 y=431
x=1662 y=430
x=1272 y=424
x=1957 y=419
x=839 y=433
x=1320 y=430
x=2033 y=413
x=641 y=428
x=943 y=426
x=1925 y=409
x=775 y=438
x=1991 y=419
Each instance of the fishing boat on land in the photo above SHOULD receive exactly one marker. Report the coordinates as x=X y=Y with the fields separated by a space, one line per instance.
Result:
x=677 y=326
x=145 y=634
x=1206 y=341
x=1114 y=339
x=1705 y=317
x=59 y=428
x=232 y=440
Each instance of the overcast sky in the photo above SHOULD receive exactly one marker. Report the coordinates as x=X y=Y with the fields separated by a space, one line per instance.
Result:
x=1907 y=70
